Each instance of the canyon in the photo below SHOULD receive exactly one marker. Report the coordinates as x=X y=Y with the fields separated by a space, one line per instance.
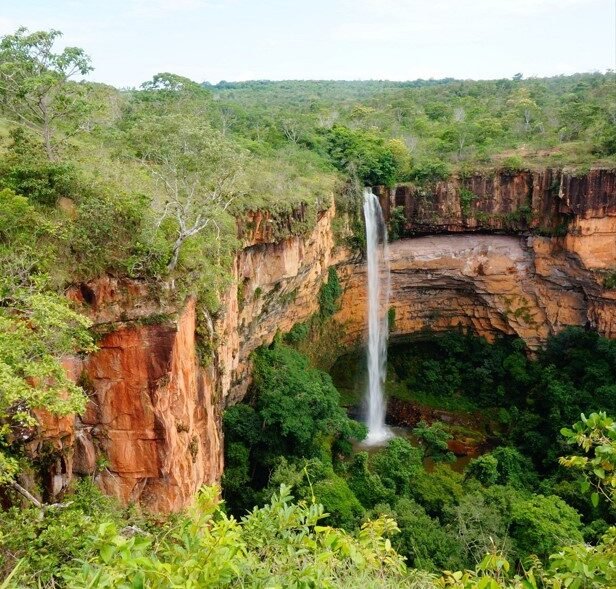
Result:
x=521 y=253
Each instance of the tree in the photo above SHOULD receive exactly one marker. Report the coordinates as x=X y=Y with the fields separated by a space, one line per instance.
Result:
x=37 y=328
x=367 y=152
x=197 y=170
x=524 y=107
x=434 y=439
x=36 y=90
x=596 y=435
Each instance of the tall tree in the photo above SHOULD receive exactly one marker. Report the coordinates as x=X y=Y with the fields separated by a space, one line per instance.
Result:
x=198 y=171
x=36 y=90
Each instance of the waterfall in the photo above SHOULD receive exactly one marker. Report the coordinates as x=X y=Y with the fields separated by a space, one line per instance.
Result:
x=378 y=325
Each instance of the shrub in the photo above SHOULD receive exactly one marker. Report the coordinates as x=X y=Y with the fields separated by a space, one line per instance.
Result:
x=299 y=332
x=365 y=152
x=329 y=294
x=512 y=163
x=540 y=525
x=610 y=280
x=430 y=171
x=484 y=469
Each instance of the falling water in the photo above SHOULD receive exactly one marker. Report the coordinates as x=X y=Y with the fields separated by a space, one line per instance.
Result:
x=378 y=328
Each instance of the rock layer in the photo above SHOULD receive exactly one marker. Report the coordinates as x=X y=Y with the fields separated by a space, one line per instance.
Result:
x=151 y=432
x=551 y=202
x=490 y=284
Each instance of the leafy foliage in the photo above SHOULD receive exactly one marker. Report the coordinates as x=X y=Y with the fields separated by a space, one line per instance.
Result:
x=37 y=328
x=296 y=414
x=596 y=436
x=329 y=294
x=363 y=151
x=35 y=86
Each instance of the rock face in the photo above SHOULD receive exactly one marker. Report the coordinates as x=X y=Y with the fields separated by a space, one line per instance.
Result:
x=152 y=432
x=551 y=202
x=277 y=286
x=490 y=284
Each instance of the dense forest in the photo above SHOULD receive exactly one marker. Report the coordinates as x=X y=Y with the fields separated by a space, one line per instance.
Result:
x=147 y=184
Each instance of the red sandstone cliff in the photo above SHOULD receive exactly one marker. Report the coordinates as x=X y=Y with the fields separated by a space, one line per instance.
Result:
x=152 y=434
x=552 y=202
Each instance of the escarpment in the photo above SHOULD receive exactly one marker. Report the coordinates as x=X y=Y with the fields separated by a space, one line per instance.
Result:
x=515 y=253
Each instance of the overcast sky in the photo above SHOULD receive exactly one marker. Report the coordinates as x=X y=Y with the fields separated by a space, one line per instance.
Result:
x=130 y=40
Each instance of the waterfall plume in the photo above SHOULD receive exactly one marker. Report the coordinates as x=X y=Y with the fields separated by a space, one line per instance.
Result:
x=378 y=325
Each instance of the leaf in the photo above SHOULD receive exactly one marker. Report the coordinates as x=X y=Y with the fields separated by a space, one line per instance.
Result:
x=107 y=553
x=599 y=472
x=594 y=498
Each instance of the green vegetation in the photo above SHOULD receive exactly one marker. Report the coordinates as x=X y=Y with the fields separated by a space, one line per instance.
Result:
x=295 y=414
x=330 y=294
x=437 y=125
x=514 y=500
x=90 y=542
x=610 y=280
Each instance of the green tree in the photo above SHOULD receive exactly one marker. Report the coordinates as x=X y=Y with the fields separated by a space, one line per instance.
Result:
x=37 y=328
x=433 y=439
x=596 y=436
x=365 y=152
x=198 y=172
x=36 y=90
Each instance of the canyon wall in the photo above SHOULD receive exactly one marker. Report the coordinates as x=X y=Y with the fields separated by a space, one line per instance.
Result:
x=151 y=433
x=532 y=260
x=490 y=284
x=579 y=207
x=152 y=430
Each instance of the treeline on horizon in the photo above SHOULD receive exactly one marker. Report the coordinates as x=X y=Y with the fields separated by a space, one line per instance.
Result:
x=424 y=130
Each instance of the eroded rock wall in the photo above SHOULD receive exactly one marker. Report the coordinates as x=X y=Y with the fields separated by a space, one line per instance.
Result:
x=579 y=207
x=491 y=284
x=152 y=431
x=277 y=286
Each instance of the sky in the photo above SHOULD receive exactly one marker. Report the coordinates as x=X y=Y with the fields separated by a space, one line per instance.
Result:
x=211 y=40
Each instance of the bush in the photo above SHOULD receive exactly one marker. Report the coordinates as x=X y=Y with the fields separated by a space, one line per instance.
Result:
x=484 y=469
x=329 y=294
x=430 y=171
x=281 y=544
x=539 y=525
x=342 y=506
x=27 y=170
x=299 y=332
x=610 y=280
x=423 y=540
x=512 y=163
x=374 y=162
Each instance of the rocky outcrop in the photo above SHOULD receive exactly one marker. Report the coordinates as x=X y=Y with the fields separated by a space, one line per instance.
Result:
x=151 y=431
x=491 y=284
x=524 y=257
x=277 y=286
x=549 y=202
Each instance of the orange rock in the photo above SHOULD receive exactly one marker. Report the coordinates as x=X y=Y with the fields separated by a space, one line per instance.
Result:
x=152 y=427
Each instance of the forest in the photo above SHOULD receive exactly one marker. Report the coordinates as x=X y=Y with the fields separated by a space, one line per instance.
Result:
x=148 y=184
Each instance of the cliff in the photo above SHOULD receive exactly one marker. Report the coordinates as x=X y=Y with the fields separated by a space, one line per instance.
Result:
x=550 y=202
x=152 y=431
x=491 y=284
